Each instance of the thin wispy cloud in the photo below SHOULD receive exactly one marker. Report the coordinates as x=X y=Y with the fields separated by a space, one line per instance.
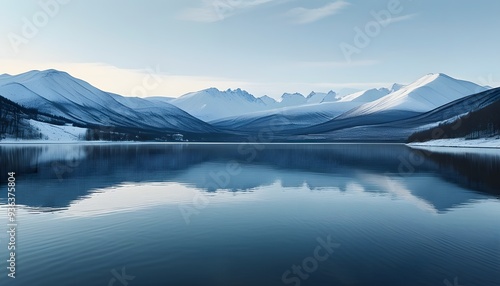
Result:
x=305 y=16
x=217 y=10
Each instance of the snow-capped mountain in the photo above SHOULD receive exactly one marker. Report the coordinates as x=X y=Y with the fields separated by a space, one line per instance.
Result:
x=210 y=104
x=469 y=114
x=58 y=93
x=285 y=118
x=213 y=104
x=319 y=97
x=427 y=93
x=366 y=95
x=292 y=99
x=268 y=100
x=315 y=109
x=236 y=113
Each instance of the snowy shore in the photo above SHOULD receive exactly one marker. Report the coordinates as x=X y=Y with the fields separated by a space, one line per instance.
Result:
x=493 y=142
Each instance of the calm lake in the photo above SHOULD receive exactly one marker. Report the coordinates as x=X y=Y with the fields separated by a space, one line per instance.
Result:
x=243 y=214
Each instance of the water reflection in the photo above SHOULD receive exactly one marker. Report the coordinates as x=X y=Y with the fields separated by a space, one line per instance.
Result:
x=402 y=216
x=53 y=177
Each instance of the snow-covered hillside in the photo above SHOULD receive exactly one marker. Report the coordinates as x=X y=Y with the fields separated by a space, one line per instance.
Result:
x=366 y=95
x=210 y=104
x=213 y=105
x=55 y=133
x=492 y=142
x=50 y=133
x=286 y=117
x=427 y=93
x=232 y=113
x=300 y=111
x=58 y=93
x=319 y=97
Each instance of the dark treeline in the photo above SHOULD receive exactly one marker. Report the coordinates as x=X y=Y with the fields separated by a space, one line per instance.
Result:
x=14 y=120
x=482 y=123
x=110 y=134
x=14 y=123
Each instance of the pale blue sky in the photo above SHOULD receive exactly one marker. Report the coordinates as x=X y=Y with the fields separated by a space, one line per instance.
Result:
x=263 y=46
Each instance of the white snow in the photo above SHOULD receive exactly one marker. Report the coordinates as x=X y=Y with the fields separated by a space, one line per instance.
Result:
x=58 y=93
x=425 y=94
x=307 y=115
x=213 y=105
x=319 y=97
x=268 y=100
x=315 y=109
x=366 y=95
x=492 y=142
x=292 y=99
x=210 y=104
x=52 y=134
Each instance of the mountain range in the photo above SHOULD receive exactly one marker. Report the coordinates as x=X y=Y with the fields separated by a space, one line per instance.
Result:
x=59 y=94
x=231 y=115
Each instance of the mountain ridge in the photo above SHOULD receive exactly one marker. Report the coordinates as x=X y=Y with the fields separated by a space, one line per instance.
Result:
x=231 y=112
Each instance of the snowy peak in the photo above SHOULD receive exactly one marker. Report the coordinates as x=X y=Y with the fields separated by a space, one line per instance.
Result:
x=210 y=104
x=268 y=100
x=318 y=97
x=431 y=77
x=287 y=95
x=54 y=86
x=425 y=94
x=37 y=75
x=58 y=93
x=395 y=87
x=212 y=93
x=292 y=99
x=331 y=96
x=366 y=95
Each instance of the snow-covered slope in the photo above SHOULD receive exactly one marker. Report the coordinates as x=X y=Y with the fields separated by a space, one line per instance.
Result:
x=286 y=117
x=210 y=104
x=58 y=93
x=292 y=99
x=50 y=133
x=380 y=127
x=493 y=142
x=160 y=98
x=319 y=97
x=366 y=95
x=315 y=109
x=427 y=93
x=58 y=133
x=268 y=100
